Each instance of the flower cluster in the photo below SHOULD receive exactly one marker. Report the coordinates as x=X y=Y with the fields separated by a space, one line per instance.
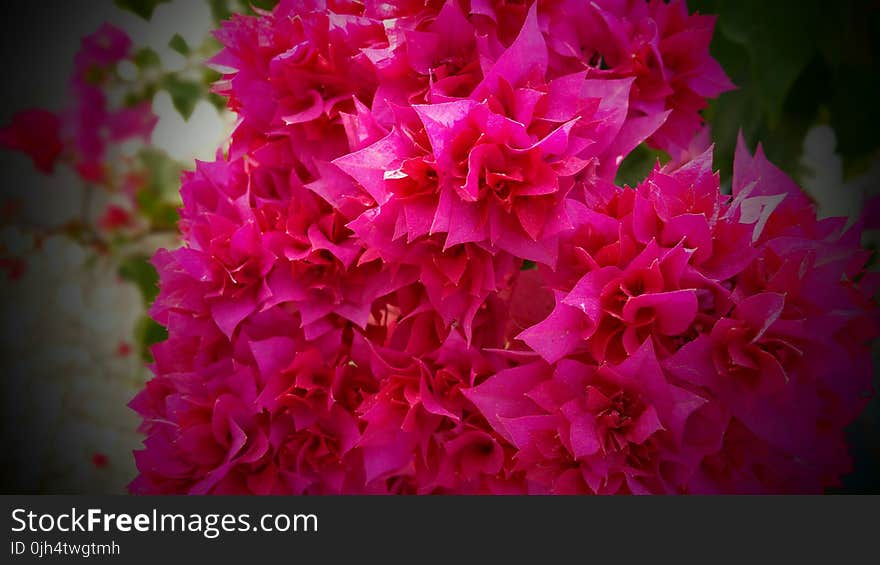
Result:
x=412 y=272
x=84 y=132
x=87 y=134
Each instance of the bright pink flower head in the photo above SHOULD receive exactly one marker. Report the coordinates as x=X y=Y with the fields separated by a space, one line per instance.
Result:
x=422 y=434
x=441 y=50
x=485 y=181
x=645 y=264
x=605 y=429
x=760 y=309
x=257 y=239
x=91 y=129
x=298 y=65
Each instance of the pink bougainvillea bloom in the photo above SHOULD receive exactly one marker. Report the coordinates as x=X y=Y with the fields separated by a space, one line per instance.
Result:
x=36 y=134
x=98 y=52
x=90 y=128
x=115 y=218
x=658 y=43
x=298 y=66
x=602 y=429
x=412 y=272
x=750 y=299
x=462 y=178
x=89 y=125
x=83 y=132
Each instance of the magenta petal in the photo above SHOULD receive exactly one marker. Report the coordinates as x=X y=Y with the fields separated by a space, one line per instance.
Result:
x=761 y=311
x=273 y=354
x=370 y=165
x=559 y=334
x=229 y=313
x=585 y=296
x=504 y=395
x=673 y=311
x=647 y=424
x=443 y=122
x=527 y=55
x=564 y=97
x=584 y=436
x=521 y=430
x=380 y=460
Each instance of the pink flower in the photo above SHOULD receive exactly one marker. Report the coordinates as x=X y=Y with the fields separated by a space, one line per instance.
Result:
x=36 y=134
x=256 y=242
x=601 y=429
x=115 y=218
x=297 y=65
x=469 y=179
x=750 y=331
x=98 y=52
x=422 y=434
x=650 y=259
x=413 y=274
x=82 y=133
x=658 y=43
x=90 y=128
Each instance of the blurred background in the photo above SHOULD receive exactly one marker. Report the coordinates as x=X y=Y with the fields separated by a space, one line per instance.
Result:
x=112 y=98
x=105 y=102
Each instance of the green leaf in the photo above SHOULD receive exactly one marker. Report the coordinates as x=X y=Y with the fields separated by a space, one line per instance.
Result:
x=184 y=94
x=146 y=58
x=780 y=39
x=638 y=165
x=219 y=10
x=217 y=101
x=162 y=215
x=148 y=332
x=223 y=9
x=159 y=198
x=210 y=76
x=263 y=4
x=138 y=96
x=178 y=43
x=138 y=270
x=143 y=8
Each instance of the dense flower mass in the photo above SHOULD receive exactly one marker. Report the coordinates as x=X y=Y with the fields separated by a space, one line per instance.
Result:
x=413 y=273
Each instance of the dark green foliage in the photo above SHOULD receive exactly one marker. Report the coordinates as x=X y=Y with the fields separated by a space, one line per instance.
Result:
x=139 y=271
x=796 y=64
x=143 y=8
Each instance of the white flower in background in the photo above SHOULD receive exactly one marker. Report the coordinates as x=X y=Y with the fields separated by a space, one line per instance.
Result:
x=72 y=369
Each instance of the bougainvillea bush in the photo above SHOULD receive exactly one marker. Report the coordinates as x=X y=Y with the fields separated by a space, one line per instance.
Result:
x=412 y=271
